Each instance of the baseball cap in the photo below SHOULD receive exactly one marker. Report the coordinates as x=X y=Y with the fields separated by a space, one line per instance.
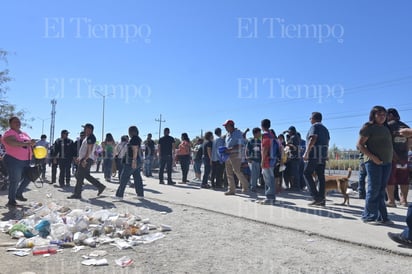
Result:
x=65 y=131
x=228 y=122
x=88 y=125
x=291 y=128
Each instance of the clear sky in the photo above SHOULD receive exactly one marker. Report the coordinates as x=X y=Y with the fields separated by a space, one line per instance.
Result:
x=198 y=63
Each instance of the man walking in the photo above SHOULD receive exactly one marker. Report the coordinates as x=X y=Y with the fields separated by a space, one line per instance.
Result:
x=316 y=155
x=85 y=160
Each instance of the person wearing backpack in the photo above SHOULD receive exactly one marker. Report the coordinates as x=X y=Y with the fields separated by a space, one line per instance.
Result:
x=269 y=150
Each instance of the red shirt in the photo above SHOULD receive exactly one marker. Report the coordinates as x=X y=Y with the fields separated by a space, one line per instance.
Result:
x=267 y=138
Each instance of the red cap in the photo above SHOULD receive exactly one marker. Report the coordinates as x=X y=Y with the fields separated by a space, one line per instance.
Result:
x=228 y=122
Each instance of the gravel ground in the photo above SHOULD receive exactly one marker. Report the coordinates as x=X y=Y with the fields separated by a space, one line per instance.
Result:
x=201 y=242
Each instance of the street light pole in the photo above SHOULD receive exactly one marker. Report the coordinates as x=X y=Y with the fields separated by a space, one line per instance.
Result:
x=103 y=107
x=42 y=123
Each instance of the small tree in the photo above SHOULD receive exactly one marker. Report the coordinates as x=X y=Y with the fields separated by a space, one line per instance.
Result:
x=6 y=109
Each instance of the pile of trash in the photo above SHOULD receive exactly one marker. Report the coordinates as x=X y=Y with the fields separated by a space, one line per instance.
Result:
x=46 y=228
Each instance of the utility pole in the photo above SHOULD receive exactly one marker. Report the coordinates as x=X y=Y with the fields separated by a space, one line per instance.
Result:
x=160 y=124
x=103 y=108
x=53 y=120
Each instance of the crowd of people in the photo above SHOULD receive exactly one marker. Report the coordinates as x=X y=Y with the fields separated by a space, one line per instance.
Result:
x=229 y=160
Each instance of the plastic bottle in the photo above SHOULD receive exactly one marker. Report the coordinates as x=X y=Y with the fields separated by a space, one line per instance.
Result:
x=44 y=249
x=62 y=244
x=24 y=243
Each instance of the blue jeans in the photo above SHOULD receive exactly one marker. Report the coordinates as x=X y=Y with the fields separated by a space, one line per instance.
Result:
x=375 y=207
x=407 y=233
x=124 y=179
x=254 y=173
x=362 y=177
x=119 y=167
x=269 y=178
x=314 y=165
x=107 y=168
x=15 y=168
x=148 y=165
x=197 y=164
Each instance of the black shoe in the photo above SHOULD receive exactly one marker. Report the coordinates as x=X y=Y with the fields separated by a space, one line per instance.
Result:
x=317 y=203
x=171 y=183
x=312 y=203
x=11 y=204
x=74 y=196
x=397 y=237
x=205 y=186
x=20 y=198
x=162 y=182
x=101 y=189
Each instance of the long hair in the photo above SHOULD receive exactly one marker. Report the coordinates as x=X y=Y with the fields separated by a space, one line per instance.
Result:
x=185 y=137
x=133 y=131
x=372 y=114
x=208 y=135
x=109 y=138
x=375 y=110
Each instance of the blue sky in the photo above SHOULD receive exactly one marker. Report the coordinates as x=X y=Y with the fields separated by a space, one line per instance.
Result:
x=198 y=63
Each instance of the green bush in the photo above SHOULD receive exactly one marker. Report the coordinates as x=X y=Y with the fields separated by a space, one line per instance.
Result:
x=342 y=164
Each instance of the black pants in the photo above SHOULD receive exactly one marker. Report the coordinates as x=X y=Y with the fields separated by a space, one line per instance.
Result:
x=314 y=165
x=184 y=161
x=53 y=172
x=217 y=174
x=166 y=161
x=64 y=167
x=83 y=172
